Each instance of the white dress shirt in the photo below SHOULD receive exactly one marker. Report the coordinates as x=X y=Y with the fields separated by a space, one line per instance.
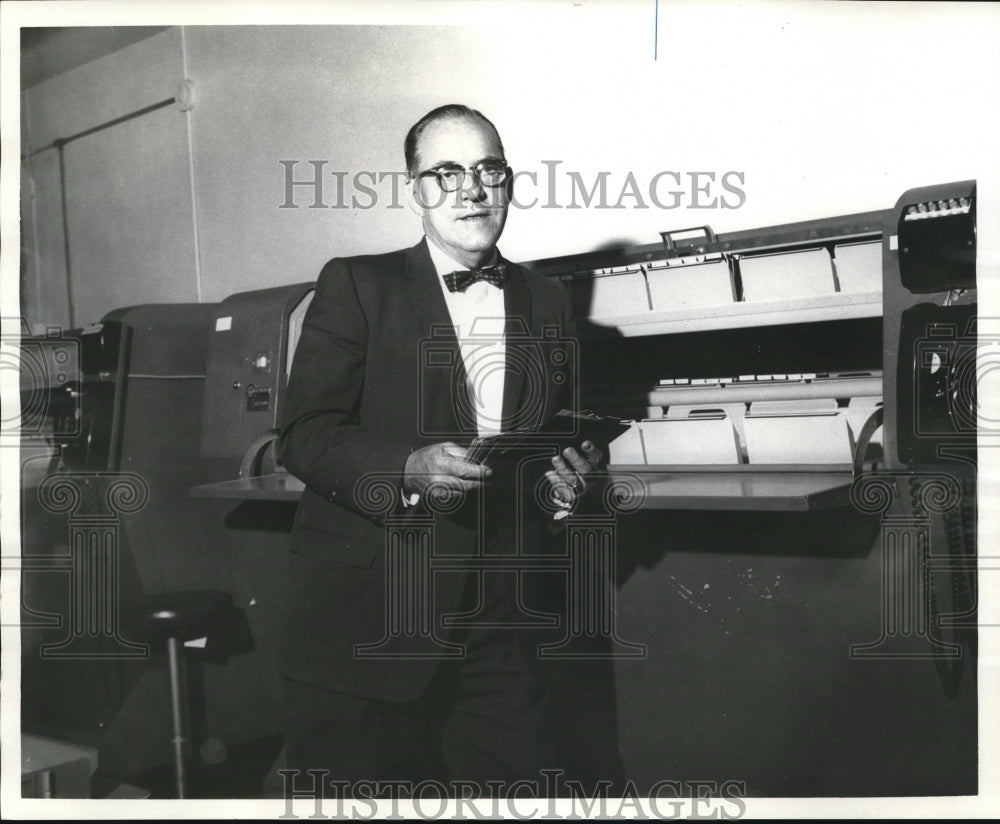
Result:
x=477 y=313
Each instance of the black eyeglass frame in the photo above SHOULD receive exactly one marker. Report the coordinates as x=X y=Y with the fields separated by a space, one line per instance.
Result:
x=438 y=172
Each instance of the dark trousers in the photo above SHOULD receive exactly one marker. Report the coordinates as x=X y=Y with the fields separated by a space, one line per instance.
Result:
x=481 y=720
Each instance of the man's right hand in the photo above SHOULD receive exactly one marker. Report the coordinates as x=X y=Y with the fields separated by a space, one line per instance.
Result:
x=442 y=465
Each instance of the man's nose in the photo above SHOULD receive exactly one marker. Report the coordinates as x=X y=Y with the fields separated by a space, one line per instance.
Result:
x=472 y=187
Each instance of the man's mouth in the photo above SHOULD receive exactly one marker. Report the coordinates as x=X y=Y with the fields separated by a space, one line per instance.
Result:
x=475 y=216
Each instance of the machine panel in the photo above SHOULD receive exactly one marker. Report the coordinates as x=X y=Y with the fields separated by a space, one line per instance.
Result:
x=252 y=339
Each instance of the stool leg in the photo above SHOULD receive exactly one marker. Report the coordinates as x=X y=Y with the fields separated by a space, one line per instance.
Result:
x=45 y=784
x=173 y=660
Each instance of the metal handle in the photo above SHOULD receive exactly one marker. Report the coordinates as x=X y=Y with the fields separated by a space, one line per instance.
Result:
x=250 y=467
x=670 y=245
x=870 y=427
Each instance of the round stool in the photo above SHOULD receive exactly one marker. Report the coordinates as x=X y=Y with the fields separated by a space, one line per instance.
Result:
x=176 y=617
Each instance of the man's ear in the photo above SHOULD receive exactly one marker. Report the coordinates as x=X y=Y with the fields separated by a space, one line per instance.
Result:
x=413 y=196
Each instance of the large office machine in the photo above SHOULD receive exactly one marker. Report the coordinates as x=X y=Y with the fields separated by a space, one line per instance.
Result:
x=761 y=373
x=774 y=350
x=748 y=352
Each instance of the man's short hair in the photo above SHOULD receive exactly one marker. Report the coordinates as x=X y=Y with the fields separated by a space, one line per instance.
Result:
x=452 y=111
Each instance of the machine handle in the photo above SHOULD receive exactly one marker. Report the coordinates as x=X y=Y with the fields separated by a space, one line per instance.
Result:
x=870 y=427
x=250 y=467
x=670 y=245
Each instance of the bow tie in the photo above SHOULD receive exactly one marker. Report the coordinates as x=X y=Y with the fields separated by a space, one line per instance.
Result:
x=458 y=281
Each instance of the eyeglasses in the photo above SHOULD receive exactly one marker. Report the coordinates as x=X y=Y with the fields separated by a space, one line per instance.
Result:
x=492 y=173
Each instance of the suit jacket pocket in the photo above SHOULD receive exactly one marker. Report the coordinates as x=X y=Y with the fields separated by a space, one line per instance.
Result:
x=335 y=545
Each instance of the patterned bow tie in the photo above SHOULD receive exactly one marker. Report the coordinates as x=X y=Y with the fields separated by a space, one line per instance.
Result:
x=458 y=281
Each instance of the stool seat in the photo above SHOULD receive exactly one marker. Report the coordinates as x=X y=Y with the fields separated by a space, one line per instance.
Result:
x=181 y=615
x=171 y=618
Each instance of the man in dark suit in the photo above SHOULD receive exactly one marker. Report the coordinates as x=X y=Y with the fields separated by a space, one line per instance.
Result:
x=390 y=383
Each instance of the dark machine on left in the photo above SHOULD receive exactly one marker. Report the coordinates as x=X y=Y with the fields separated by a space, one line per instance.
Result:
x=148 y=615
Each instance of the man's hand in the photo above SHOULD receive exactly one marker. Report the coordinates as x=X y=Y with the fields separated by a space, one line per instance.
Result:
x=442 y=466
x=568 y=477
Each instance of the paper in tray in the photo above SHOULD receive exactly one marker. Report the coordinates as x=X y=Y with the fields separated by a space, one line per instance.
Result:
x=563 y=429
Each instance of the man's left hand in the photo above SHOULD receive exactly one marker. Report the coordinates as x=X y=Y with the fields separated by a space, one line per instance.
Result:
x=568 y=477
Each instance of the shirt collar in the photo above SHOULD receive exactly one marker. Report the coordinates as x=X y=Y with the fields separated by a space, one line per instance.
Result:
x=445 y=263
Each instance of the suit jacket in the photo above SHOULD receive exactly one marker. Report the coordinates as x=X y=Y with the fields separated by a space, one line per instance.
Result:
x=377 y=373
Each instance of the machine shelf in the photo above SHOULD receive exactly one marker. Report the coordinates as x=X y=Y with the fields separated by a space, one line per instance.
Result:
x=748 y=490
x=279 y=486
x=795 y=489
x=838 y=306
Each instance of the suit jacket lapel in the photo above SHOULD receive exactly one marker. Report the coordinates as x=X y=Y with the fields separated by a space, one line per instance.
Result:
x=428 y=305
x=520 y=351
x=445 y=401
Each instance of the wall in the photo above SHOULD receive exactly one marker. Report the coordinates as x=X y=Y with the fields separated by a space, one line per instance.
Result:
x=128 y=193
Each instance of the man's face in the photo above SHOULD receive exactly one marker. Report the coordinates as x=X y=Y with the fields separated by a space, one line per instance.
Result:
x=465 y=223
